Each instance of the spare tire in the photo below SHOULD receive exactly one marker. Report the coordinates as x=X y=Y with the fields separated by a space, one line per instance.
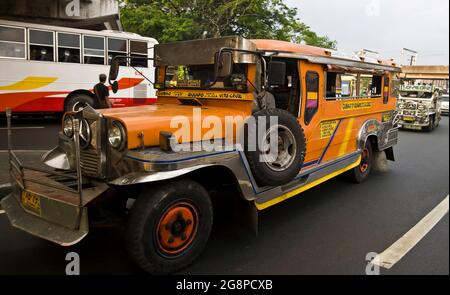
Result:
x=274 y=167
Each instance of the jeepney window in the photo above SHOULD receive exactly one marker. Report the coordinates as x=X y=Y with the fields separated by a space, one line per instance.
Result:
x=12 y=42
x=41 y=45
x=117 y=47
x=94 y=50
x=139 y=49
x=69 y=48
x=370 y=86
x=312 y=96
x=341 y=85
x=201 y=76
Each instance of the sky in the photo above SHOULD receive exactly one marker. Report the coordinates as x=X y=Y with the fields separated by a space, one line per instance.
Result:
x=384 y=26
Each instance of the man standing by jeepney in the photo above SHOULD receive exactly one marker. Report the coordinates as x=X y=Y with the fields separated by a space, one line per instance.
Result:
x=102 y=94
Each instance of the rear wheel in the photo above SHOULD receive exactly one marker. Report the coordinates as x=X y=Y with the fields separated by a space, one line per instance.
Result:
x=78 y=102
x=360 y=173
x=169 y=227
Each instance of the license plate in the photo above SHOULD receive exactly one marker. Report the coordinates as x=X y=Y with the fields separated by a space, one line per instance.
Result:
x=412 y=127
x=31 y=202
x=409 y=119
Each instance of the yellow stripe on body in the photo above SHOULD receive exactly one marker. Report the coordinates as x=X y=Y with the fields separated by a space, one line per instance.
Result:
x=306 y=187
x=30 y=83
x=347 y=137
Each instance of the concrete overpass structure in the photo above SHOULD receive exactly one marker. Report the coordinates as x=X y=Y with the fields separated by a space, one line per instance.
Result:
x=84 y=14
x=436 y=75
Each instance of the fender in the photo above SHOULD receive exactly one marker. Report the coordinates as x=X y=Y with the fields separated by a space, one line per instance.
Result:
x=149 y=177
x=385 y=133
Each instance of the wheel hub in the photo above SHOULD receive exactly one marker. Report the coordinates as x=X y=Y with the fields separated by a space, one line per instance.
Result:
x=177 y=228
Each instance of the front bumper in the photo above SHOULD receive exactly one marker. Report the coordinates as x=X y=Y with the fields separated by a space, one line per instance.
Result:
x=57 y=214
x=42 y=228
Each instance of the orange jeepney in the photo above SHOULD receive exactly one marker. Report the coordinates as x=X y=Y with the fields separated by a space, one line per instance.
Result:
x=261 y=120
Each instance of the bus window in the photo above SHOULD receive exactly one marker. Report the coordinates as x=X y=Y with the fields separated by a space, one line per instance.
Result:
x=139 y=49
x=312 y=96
x=117 y=47
x=69 y=49
x=41 y=45
x=94 y=50
x=12 y=42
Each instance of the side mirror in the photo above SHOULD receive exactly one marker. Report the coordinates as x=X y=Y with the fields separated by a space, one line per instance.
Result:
x=114 y=69
x=224 y=65
x=277 y=73
x=115 y=87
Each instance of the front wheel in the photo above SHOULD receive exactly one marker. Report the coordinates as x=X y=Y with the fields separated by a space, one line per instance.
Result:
x=361 y=172
x=169 y=226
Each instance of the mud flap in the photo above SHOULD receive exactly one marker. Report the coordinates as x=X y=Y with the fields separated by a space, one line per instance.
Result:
x=246 y=217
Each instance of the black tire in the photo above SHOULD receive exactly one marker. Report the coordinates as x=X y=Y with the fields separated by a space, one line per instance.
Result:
x=360 y=173
x=263 y=171
x=146 y=229
x=77 y=102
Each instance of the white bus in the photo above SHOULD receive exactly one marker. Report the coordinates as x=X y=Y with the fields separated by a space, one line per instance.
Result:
x=54 y=69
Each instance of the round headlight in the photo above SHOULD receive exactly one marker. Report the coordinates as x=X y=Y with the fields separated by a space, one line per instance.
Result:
x=401 y=106
x=116 y=135
x=68 y=126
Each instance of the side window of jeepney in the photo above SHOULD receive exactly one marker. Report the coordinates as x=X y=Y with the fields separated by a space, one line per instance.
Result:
x=370 y=86
x=312 y=96
x=341 y=85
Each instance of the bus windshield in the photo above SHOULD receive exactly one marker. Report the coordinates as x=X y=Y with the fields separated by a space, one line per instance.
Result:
x=202 y=76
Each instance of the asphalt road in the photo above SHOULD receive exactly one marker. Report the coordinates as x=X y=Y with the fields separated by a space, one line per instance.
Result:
x=326 y=230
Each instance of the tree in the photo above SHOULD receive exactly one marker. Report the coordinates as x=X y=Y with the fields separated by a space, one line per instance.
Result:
x=176 y=20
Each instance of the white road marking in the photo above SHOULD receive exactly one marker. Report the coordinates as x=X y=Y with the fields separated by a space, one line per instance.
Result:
x=394 y=253
x=24 y=128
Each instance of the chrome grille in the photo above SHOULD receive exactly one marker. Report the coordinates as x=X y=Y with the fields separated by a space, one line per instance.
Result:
x=90 y=162
x=411 y=106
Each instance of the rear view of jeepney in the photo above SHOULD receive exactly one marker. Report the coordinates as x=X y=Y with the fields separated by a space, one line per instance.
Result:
x=157 y=167
x=419 y=107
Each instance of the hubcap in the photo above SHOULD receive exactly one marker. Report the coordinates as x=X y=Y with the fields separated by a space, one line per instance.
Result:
x=177 y=228
x=286 y=145
x=365 y=158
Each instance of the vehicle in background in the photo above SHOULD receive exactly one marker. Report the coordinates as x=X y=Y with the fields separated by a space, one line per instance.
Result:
x=54 y=69
x=419 y=107
x=444 y=105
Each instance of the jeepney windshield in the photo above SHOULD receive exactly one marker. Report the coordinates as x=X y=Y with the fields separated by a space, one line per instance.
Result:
x=416 y=94
x=202 y=76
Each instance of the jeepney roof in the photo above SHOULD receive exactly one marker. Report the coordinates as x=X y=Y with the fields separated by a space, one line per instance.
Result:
x=323 y=55
x=196 y=52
